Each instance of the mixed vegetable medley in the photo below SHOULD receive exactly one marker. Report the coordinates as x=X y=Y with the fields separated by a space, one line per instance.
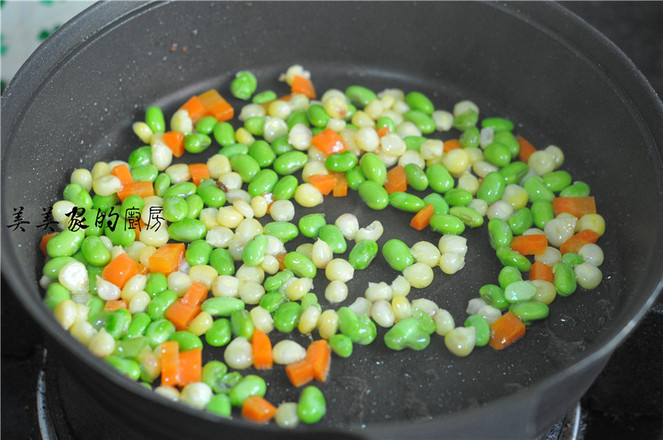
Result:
x=158 y=258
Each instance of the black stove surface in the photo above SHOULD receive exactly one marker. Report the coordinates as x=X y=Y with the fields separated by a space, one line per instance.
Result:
x=625 y=402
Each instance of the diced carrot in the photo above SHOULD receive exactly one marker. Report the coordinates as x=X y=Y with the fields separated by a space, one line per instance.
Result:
x=44 y=241
x=216 y=105
x=175 y=141
x=532 y=244
x=122 y=172
x=167 y=258
x=396 y=180
x=142 y=269
x=383 y=131
x=300 y=372
x=198 y=171
x=195 y=294
x=170 y=363
x=506 y=330
x=262 y=350
x=341 y=186
x=422 y=218
x=181 y=314
x=281 y=259
x=190 y=366
x=329 y=142
x=541 y=271
x=195 y=108
x=303 y=86
x=318 y=354
x=120 y=270
x=141 y=189
x=526 y=149
x=114 y=304
x=580 y=239
x=138 y=226
x=451 y=144
x=323 y=182
x=576 y=206
x=258 y=409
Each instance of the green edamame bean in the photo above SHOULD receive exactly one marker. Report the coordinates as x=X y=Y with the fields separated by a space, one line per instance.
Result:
x=281 y=144
x=469 y=216
x=366 y=331
x=233 y=150
x=285 y=188
x=578 y=189
x=127 y=367
x=187 y=230
x=300 y=265
x=140 y=156
x=104 y=203
x=497 y=154
x=290 y=162
x=222 y=306
x=131 y=347
x=224 y=134
x=507 y=139
x=212 y=195
x=407 y=333
x=264 y=96
x=155 y=120
x=311 y=406
x=482 y=329
x=219 y=334
x=492 y=187
x=195 y=205
x=414 y=142
x=499 y=233
x=362 y=253
x=198 y=252
x=182 y=190
x=318 y=116
x=159 y=331
x=447 y=224
x=212 y=374
x=542 y=212
x=421 y=120
x=241 y=324
x=262 y=152
x=160 y=303
x=98 y=320
x=564 y=279
x=439 y=178
x=397 y=254
x=424 y=320
x=174 y=209
x=206 y=125
x=286 y=317
x=91 y=220
x=521 y=220
x=196 y=142
x=144 y=173
x=220 y=405
x=310 y=224
x=497 y=124
x=440 y=206
x=470 y=138
x=374 y=195
x=161 y=184
x=274 y=282
x=465 y=120
x=122 y=234
x=272 y=300
x=373 y=168
x=341 y=162
x=332 y=235
x=245 y=165
x=508 y=275
x=77 y=195
x=493 y=295
x=284 y=231
x=55 y=294
x=156 y=283
x=243 y=85
x=341 y=345
x=519 y=291
x=222 y=261
x=509 y=257
x=263 y=182
x=118 y=323
x=255 y=125
x=386 y=122
x=514 y=172
x=360 y=96
x=355 y=177
x=529 y=310
x=556 y=181
x=572 y=259
x=458 y=197
x=297 y=117
x=419 y=101
x=253 y=253
x=416 y=177
x=65 y=243
x=138 y=326
x=537 y=190
x=95 y=251
x=249 y=385
x=348 y=323
x=405 y=201
x=186 y=340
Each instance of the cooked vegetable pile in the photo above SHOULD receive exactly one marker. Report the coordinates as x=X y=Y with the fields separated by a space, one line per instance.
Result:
x=159 y=258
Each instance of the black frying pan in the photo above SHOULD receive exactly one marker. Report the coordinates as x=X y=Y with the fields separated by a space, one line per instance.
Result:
x=74 y=101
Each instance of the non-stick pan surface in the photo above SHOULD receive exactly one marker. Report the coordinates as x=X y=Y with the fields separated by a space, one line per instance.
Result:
x=75 y=100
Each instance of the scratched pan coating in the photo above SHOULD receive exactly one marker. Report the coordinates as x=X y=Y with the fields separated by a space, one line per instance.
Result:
x=561 y=82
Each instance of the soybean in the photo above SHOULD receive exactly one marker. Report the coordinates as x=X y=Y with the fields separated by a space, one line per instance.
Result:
x=362 y=254
x=374 y=195
x=397 y=254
